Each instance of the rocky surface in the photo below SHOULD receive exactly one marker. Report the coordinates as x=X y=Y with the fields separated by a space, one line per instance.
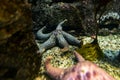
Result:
x=110 y=45
x=67 y=59
x=18 y=59
x=51 y=12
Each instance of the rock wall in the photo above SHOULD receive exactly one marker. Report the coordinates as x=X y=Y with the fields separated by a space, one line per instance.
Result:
x=51 y=12
x=78 y=13
x=18 y=58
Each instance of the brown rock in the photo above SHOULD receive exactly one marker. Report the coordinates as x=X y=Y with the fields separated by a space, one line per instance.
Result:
x=17 y=43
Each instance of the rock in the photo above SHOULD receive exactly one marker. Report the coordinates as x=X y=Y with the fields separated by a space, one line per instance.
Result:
x=51 y=13
x=79 y=14
x=17 y=43
x=118 y=57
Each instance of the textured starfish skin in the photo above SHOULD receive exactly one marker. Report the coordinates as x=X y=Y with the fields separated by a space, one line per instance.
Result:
x=52 y=71
x=57 y=37
x=71 y=39
x=83 y=70
x=42 y=36
x=61 y=41
x=47 y=44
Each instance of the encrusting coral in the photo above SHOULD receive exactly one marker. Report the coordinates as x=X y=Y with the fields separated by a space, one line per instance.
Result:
x=91 y=51
x=83 y=70
x=57 y=37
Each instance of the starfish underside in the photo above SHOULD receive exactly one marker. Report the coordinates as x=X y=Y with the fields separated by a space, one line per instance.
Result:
x=57 y=37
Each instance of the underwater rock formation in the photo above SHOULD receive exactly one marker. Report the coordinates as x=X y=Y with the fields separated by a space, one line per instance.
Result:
x=49 y=12
x=80 y=14
x=56 y=37
x=84 y=70
x=17 y=43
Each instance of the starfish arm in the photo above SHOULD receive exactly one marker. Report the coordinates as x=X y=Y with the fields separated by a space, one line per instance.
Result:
x=59 y=27
x=61 y=41
x=53 y=71
x=47 y=44
x=71 y=39
x=42 y=36
x=78 y=56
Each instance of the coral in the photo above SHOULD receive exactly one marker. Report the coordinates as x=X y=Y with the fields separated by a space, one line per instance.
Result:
x=57 y=37
x=84 y=70
x=91 y=51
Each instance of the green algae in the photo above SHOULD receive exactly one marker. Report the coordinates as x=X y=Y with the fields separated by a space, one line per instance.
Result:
x=91 y=51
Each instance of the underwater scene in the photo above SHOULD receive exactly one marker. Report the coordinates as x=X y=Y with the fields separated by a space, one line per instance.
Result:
x=59 y=40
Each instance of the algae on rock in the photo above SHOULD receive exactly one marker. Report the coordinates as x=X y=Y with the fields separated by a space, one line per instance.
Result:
x=91 y=51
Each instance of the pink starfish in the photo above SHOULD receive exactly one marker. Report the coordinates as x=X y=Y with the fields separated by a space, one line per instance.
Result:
x=84 y=70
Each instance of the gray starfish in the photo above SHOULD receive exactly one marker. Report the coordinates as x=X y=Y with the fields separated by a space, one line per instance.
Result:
x=57 y=37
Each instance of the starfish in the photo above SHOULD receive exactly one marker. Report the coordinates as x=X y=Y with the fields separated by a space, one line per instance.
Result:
x=57 y=37
x=83 y=70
